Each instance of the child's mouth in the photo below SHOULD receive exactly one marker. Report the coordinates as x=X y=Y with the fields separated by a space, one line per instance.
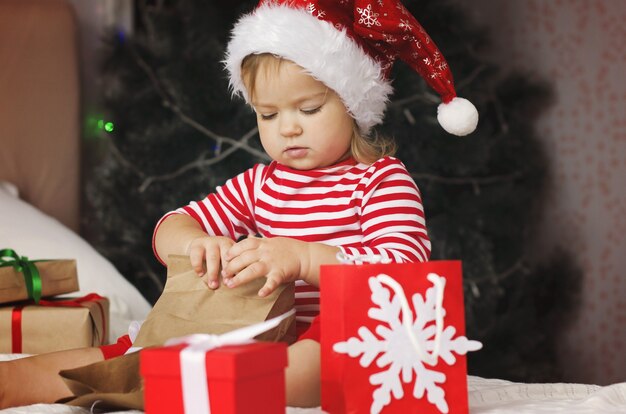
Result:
x=296 y=152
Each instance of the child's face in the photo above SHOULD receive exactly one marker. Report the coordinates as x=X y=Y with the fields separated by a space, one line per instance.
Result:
x=302 y=124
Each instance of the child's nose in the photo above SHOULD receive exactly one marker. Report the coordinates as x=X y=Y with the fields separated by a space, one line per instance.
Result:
x=289 y=126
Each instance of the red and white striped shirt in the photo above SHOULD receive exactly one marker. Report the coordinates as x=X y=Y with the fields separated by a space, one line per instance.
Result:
x=363 y=209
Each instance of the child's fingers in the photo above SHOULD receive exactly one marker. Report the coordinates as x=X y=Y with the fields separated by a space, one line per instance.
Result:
x=238 y=263
x=196 y=257
x=225 y=245
x=273 y=281
x=250 y=272
x=249 y=243
x=213 y=262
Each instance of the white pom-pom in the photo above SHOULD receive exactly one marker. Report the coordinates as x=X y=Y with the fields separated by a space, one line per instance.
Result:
x=458 y=117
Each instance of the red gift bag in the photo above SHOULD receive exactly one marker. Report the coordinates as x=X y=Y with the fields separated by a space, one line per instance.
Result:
x=393 y=338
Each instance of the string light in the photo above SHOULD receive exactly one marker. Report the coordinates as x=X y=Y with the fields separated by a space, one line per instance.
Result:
x=96 y=125
x=120 y=36
x=105 y=126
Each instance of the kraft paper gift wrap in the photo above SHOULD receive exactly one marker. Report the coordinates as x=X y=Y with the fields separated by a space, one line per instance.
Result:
x=54 y=325
x=57 y=277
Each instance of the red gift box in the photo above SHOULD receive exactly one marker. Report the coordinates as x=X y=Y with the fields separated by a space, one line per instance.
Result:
x=379 y=355
x=241 y=378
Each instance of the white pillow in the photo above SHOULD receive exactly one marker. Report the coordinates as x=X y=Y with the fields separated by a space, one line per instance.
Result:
x=32 y=233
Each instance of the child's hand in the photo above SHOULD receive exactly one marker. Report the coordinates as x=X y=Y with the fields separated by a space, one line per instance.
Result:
x=209 y=251
x=279 y=259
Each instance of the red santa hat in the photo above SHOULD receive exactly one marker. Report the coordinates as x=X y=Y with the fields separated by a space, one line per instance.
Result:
x=350 y=46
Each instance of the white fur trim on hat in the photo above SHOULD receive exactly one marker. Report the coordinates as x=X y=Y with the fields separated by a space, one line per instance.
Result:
x=326 y=53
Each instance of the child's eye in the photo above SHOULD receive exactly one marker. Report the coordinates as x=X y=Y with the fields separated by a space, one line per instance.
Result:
x=267 y=117
x=311 y=111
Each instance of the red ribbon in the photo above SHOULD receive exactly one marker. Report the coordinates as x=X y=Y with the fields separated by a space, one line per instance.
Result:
x=16 y=317
x=16 y=330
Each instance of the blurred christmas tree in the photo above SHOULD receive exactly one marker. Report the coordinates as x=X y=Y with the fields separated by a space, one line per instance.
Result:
x=178 y=134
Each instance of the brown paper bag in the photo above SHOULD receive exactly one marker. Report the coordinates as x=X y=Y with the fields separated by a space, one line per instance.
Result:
x=110 y=385
x=186 y=306
x=57 y=277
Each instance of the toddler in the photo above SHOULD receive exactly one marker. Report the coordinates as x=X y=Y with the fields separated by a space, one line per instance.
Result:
x=315 y=73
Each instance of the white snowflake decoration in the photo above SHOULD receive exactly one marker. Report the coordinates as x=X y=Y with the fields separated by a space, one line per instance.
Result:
x=389 y=38
x=405 y=25
x=368 y=17
x=409 y=38
x=310 y=8
x=393 y=349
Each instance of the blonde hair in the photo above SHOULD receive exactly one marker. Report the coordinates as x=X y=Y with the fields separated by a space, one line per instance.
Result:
x=364 y=149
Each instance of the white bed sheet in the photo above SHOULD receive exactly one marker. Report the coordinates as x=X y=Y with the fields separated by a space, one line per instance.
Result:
x=486 y=396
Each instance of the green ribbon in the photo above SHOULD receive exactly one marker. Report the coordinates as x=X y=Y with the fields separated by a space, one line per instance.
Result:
x=8 y=257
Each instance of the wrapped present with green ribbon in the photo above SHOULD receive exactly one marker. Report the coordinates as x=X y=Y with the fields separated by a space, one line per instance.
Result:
x=22 y=278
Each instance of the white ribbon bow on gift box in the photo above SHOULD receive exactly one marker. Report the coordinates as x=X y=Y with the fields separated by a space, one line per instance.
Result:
x=193 y=359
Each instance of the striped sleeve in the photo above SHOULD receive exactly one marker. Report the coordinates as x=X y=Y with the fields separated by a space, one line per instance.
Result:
x=392 y=215
x=229 y=211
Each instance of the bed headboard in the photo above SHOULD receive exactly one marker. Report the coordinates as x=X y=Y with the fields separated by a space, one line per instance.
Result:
x=39 y=105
